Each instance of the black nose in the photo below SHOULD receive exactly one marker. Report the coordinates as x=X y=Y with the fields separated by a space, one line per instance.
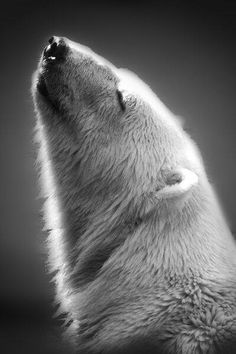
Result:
x=56 y=50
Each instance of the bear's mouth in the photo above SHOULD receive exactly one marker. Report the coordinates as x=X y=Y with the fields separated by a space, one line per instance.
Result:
x=43 y=90
x=42 y=87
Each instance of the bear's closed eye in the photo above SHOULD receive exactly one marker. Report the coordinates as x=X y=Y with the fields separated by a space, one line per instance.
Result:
x=121 y=100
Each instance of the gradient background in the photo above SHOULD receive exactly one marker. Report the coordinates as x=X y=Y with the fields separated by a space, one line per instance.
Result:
x=185 y=51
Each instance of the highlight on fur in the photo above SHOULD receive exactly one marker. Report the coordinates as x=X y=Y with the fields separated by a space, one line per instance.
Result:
x=143 y=257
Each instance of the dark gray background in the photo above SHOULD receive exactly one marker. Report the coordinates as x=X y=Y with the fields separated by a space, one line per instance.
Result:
x=184 y=50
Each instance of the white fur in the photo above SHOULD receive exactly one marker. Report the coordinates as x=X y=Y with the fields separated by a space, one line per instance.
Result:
x=169 y=274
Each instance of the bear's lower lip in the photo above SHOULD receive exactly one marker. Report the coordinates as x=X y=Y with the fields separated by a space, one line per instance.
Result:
x=43 y=90
x=42 y=87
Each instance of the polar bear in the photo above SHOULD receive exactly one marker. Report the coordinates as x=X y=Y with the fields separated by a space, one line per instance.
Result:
x=143 y=257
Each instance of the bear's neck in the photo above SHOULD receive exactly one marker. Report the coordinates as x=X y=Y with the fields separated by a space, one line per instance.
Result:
x=198 y=240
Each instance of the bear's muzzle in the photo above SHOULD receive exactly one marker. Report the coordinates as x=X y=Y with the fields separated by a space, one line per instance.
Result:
x=56 y=50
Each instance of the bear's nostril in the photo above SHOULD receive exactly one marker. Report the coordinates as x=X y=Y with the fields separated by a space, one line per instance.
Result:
x=52 y=52
x=57 y=49
x=51 y=40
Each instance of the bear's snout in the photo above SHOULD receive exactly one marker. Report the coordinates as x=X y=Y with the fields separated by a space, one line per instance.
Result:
x=56 y=50
x=49 y=77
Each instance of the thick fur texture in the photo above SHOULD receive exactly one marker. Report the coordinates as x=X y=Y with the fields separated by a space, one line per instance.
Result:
x=143 y=257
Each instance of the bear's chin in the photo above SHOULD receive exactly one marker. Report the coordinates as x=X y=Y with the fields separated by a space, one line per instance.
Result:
x=44 y=96
x=42 y=87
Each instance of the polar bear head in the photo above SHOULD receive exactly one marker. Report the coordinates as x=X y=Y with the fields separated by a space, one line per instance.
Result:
x=109 y=127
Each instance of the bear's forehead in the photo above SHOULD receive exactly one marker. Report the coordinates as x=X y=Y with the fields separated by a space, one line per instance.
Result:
x=131 y=83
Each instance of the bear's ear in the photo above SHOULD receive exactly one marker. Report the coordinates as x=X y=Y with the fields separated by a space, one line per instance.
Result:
x=177 y=185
